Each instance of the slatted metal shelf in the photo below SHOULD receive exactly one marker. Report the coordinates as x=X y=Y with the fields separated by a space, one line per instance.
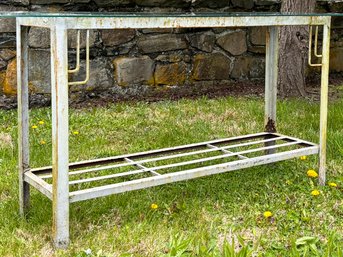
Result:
x=102 y=177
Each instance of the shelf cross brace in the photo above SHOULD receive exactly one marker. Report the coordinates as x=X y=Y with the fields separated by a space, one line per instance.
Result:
x=226 y=151
x=142 y=167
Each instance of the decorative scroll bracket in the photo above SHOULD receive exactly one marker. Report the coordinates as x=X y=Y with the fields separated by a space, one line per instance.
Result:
x=77 y=68
x=315 y=48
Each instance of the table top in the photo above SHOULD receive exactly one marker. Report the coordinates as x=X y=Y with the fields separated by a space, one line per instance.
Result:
x=151 y=14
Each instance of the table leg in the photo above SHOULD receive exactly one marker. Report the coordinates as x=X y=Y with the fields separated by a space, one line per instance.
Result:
x=272 y=54
x=60 y=124
x=324 y=104
x=23 y=117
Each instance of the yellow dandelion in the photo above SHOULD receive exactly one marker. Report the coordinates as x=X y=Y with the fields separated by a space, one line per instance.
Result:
x=34 y=126
x=303 y=158
x=267 y=214
x=315 y=193
x=332 y=184
x=312 y=173
x=41 y=122
x=154 y=206
x=42 y=142
x=76 y=132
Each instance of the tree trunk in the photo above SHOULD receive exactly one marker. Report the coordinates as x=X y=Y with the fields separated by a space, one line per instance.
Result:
x=294 y=50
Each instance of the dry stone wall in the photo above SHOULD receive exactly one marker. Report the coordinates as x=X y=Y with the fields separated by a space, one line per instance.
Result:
x=136 y=61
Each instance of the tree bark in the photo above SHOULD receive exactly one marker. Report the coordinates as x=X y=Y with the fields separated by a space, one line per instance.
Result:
x=293 y=54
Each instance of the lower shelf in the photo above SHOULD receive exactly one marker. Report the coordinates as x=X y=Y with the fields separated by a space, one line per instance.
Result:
x=113 y=175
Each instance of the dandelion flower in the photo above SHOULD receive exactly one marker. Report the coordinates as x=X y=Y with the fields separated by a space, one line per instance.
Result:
x=76 y=132
x=312 y=173
x=41 y=122
x=315 y=193
x=42 y=142
x=267 y=214
x=34 y=126
x=154 y=206
x=331 y=184
x=303 y=158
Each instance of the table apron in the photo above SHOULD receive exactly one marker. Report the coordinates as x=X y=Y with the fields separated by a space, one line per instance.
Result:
x=171 y=22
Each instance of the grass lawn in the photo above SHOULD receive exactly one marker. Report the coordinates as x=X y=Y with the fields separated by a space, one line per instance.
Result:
x=210 y=216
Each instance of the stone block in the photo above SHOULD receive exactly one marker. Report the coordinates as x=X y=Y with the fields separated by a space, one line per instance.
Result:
x=161 y=43
x=100 y=76
x=233 y=42
x=164 y=3
x=6 y=24
x=17 y=2
x=39 y=37
x=246 y=4
x=49 y=2
x=336 y=59
x=46 y=8
x=7 y=40
x=164 y=30
x=2 y=80
x=134 y=70
x=10 y=81
x=120 y=50
x=170 y=58
x=211 y=3
x=39 y=71
x=170 y=74
x=258 y=35
x=116 y=3
x=117 y=37
x=248 y=67
x=3 y=64
x=214 y=66
x=203 y=41
x=7 y=54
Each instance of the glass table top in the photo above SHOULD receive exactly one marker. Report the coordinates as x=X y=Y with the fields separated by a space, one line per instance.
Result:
x=147 y=14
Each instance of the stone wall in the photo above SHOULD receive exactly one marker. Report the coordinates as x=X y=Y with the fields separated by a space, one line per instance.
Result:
x=136 y=61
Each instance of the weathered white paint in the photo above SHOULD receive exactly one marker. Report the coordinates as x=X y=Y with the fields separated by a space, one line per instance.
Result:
x=60 y=134
x=23 y=117
x=324 y=104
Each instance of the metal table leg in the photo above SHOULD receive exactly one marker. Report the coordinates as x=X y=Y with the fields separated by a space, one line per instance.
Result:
x=60 y=124
x=272 y=52
x=23 y=116
x=324 y=103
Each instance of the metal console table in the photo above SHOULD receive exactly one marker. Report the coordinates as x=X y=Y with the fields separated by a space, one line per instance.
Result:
x=222 y=155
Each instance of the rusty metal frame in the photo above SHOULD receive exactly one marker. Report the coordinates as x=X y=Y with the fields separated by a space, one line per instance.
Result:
x=61 y=171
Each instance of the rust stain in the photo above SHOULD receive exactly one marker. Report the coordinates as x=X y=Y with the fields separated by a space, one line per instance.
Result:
x=270 y=127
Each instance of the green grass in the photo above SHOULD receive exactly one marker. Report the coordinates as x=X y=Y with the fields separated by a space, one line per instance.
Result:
x=220 y=215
